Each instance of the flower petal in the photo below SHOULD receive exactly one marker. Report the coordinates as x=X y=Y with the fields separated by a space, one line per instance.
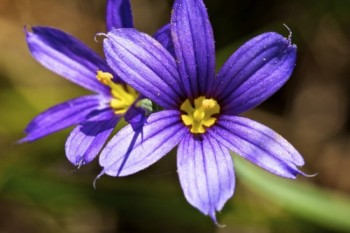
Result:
x=145 y=65
x=254 y=72
x=163 y=35
x=67 y=57
x=258 y=144
x=194 y=46
x=206 y=173
x=118 y=14
x=87 y=139
x=61 y=116
x=130 y=151
x=136 y=117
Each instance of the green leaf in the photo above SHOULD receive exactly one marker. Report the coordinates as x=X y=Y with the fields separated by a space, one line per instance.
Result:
x=316 y=204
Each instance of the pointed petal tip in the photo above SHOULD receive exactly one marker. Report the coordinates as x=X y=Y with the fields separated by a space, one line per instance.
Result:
x=28 y=138
x=293 y=174
x=97 y=177
x=29 y=29
x=28 y=32
x=278 y=37
x=309 y=175
x=100 y=35
x=290 y=172
x=22 y=140
x=25 y=29
x=77 y=161
x=289 y=38
x=213 y=217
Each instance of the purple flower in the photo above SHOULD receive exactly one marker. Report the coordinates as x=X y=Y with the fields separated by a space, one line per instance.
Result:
x=201 y=107
x=96 y=115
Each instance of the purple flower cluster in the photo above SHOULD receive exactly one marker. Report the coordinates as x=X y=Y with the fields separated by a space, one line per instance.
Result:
x=175 y=70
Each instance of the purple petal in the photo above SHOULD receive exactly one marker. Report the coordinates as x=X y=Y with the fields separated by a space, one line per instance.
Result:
x=194 y=46
x=61 y=116
x=163 y=35
x=131 y=151
x=145 y=65
x=87 y=139
x=118 y=14
x=136 y=117
x=206 y=173
x=67 y=57
x=258 y=144
x=254 y=72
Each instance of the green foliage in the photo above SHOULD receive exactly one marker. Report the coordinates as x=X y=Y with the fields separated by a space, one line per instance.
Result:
x=304 y=200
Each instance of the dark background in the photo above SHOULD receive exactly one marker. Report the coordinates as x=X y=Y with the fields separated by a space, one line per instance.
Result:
x=41 y=192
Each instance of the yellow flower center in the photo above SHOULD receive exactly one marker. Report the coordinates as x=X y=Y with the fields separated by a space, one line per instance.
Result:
x=200 y=116
x=123 y=95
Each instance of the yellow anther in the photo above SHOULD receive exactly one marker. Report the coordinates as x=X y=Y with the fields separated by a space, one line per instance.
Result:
x=208 y=103
x=200 y=116
x=123 y=95
x=104 y=77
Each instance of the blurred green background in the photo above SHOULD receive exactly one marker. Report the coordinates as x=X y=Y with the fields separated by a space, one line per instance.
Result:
x=41 y=192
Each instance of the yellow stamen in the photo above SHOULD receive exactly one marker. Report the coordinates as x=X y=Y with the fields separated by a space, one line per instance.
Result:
x=123 y=95
x=200 y=116
x=104 y=77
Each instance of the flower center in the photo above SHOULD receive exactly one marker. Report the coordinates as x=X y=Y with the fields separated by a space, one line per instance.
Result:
x=123 y=96
x=200 y=116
